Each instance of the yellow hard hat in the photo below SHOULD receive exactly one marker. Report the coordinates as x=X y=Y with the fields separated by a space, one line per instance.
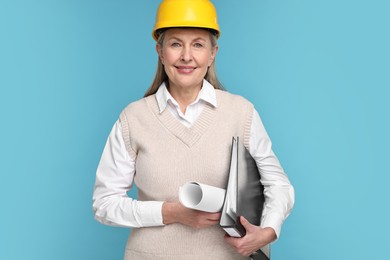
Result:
x=186 y=13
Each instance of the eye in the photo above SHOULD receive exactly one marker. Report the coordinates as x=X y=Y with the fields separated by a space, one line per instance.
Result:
x=198 y=45
x=175 y=44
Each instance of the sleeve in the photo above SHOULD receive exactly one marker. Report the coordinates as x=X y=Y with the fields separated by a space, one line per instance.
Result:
x=278 y=191
x=114 y=178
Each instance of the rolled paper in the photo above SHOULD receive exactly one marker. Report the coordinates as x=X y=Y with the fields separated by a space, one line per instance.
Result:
x=202 y=197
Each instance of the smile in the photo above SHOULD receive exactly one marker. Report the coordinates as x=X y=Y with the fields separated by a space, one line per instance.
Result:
x=185 y=69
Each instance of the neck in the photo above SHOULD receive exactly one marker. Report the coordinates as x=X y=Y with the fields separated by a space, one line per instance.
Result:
x=184 y=95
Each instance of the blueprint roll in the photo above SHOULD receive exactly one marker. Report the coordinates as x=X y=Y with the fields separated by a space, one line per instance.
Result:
x=202 y=197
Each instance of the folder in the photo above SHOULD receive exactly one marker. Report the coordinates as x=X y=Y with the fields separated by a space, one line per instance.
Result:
x=244 y=196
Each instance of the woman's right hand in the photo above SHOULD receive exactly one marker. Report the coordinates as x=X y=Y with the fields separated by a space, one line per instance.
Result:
x=174 y=212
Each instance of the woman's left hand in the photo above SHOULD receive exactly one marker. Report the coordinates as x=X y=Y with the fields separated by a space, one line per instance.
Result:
x=255 y=238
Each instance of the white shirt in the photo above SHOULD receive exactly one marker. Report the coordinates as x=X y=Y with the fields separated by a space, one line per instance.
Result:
x=115 y=173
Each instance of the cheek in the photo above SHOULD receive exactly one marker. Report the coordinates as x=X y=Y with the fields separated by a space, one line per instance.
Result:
x=208 y=59
x=170 y=56
x=211 y=58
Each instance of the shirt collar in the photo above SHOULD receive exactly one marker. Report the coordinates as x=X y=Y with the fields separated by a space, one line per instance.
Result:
x=206 y=93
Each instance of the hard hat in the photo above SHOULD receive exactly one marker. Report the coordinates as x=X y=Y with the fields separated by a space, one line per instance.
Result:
x=186 y=13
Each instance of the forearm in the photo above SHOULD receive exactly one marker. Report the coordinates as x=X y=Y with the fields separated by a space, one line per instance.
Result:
x=174 y=212
x=127 y=212
x=278 y=205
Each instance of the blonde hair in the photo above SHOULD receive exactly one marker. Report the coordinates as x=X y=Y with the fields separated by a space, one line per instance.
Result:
x=161 y=76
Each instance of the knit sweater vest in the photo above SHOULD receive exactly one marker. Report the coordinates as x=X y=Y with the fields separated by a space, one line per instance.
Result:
x=168 y=154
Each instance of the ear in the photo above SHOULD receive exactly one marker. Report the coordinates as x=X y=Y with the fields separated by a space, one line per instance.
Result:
x=213 y=54
x=160 y=53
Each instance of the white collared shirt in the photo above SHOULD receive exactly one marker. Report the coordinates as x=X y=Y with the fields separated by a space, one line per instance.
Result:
x=193 y=110
x=115 y=173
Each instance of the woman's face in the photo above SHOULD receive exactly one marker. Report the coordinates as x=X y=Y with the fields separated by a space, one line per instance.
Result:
x=186 y=54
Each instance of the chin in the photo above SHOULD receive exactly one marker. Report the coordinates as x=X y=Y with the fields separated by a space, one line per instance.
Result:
x=188 y=83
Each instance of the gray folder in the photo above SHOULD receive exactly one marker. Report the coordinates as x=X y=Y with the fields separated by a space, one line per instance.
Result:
x=244 y=196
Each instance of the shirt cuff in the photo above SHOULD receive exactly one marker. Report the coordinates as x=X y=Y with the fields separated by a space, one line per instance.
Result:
x=273 y=220
x=149 y=213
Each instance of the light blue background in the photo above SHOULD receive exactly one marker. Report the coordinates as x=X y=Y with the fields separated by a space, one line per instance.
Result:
x=317 y=71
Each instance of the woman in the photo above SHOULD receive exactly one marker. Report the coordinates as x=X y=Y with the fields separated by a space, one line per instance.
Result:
x=179 y=132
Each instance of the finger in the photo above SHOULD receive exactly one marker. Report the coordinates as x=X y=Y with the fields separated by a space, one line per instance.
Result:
x=230 y=240
x=215 y=216
x=245 y=223
x=211 y=216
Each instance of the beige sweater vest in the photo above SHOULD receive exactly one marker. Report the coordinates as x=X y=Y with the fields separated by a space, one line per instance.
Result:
x=168 y=155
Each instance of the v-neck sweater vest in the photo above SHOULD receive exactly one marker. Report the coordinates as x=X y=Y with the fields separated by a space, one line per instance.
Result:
x=168 y=154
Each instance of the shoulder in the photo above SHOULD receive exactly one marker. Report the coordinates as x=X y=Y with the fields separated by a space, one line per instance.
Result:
x=135 y=105
x=132 y=111
x=225 y=97
x=139 y=106
x=235 y=105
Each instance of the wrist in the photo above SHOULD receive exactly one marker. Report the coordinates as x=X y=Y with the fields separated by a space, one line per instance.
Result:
x=270 y=234
x=169 y=213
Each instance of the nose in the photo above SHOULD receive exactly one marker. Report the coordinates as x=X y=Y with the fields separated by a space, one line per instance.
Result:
x=186 y=54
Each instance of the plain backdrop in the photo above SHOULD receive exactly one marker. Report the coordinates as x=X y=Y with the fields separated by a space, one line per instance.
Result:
x=317 y=71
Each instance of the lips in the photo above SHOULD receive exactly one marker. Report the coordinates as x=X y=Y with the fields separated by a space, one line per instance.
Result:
x=185 y=69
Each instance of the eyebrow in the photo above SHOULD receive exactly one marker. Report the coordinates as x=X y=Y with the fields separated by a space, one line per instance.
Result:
x=199 y=38
x=178 y=39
